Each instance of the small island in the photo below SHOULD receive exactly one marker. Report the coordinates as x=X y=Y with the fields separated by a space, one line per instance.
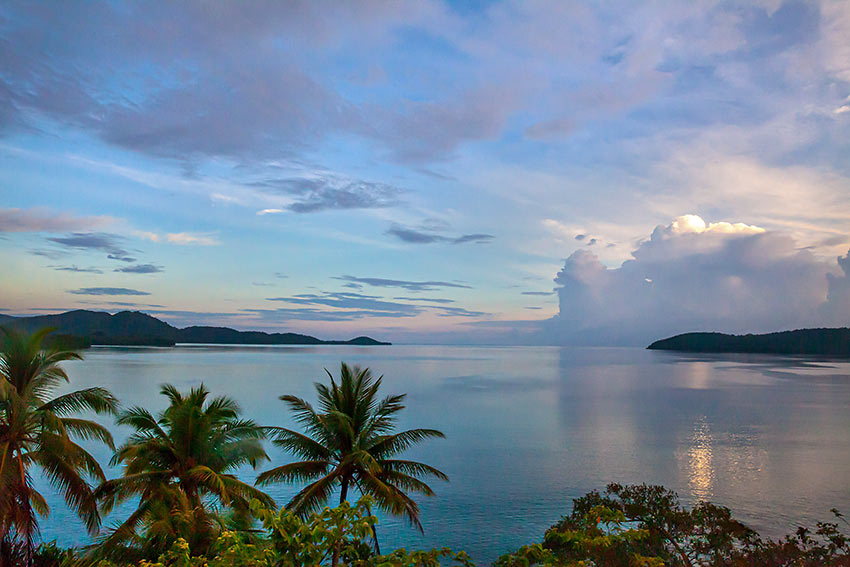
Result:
x=829 y=342
x=82 y=328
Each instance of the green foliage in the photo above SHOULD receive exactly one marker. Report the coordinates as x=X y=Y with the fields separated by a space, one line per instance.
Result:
x=350 y=441
x=39 y=430
x=291 y=541
x=177 y=465
x=642 y=525
x=601 y=537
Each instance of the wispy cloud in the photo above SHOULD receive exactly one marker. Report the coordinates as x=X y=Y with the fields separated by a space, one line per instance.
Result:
x=329 y=192
x=75 y=268
x=103 y=242
x=180 y=238
x=348 y=300
x=107 y=291
x=314 y=314
x=414 y=236
x=43 y=220
x=140 y=269
x=188 y=238
x=426 y=299
x=405 y=284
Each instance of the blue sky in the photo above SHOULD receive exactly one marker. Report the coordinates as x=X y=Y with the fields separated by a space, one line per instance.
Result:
x=429 y=171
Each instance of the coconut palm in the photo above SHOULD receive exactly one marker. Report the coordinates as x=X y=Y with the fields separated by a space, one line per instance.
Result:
x=349 y=442
x=39 y=430
x=178 y=465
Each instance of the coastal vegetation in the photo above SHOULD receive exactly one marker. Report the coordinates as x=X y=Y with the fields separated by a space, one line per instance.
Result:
x=178 y=469
x=81 y=329
x=824 y=342
x=38 y=429
x=350 y=443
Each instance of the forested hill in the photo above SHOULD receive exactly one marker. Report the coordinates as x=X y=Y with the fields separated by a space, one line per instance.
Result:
x=832 y=342
x=136 y=328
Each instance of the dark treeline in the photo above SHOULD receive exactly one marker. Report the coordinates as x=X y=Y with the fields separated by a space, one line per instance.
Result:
x=132 y=328
x=178 y=469
x=824 y=342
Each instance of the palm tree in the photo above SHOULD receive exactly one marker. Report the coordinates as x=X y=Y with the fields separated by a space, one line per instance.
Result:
x=350 y=442
x=37 y=429
x=177 y=465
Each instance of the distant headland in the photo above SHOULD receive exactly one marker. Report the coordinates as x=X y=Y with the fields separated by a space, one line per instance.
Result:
x=82 y=328
x=830 y=342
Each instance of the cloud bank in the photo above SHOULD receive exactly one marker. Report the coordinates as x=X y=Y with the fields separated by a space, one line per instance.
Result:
x=696 y=276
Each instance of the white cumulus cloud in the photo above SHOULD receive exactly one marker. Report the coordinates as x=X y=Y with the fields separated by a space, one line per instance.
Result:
x=696 y=276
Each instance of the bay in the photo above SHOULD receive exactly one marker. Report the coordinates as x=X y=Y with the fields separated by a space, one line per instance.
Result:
x=530 y=428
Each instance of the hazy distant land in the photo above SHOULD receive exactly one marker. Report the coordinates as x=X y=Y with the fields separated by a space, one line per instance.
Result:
x=831 y=342
x=82 y=328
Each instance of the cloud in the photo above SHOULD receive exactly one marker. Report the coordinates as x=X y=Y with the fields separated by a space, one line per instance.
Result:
x=42 y=220
x=694 y=276
x=314 y=314
x=107 y=291
x=101 y=302
x=348 y=300
x=837 y=305
x=458 y=312
x=554 y=128
x=147 y=235
x=538 y=293
x=140 y=269
x=181 y=238
x=426 y=299
x=95 y=241
x=189 y=238
x=348 y=306
x=75 y=268
x=408 y=285
x=414 y=236
x=328 y=192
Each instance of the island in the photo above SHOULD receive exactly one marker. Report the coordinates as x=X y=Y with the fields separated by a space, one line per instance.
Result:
x=828 y=342
x=82 y=328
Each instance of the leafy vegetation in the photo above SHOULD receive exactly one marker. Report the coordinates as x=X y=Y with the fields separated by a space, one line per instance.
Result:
x=176 y=465
x=39 y=430
x=646 y=526
x=349 y=443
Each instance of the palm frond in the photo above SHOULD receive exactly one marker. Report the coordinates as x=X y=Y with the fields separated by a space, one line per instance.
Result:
x=301 y=471
x=98 y=400
x=388 y=445
x=412 y=468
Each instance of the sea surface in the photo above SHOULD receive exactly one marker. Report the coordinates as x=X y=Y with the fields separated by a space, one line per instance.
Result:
x=528 y=429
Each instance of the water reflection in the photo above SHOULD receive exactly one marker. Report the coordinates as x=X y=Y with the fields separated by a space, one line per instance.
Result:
x=699 y=461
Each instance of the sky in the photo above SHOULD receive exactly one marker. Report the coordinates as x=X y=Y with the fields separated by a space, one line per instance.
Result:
x=430 y=172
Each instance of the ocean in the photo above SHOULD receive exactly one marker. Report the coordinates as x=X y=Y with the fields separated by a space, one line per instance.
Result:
x=530 y=428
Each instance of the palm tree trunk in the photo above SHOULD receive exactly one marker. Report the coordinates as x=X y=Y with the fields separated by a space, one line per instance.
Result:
x=343 y=494
x=3 y=462
x=374 y=533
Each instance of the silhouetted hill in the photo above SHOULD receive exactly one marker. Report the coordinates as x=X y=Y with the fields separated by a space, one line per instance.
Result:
x=832 y=342
x=140 y=329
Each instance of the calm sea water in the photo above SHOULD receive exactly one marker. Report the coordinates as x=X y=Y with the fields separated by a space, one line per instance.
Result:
x=528 y=429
